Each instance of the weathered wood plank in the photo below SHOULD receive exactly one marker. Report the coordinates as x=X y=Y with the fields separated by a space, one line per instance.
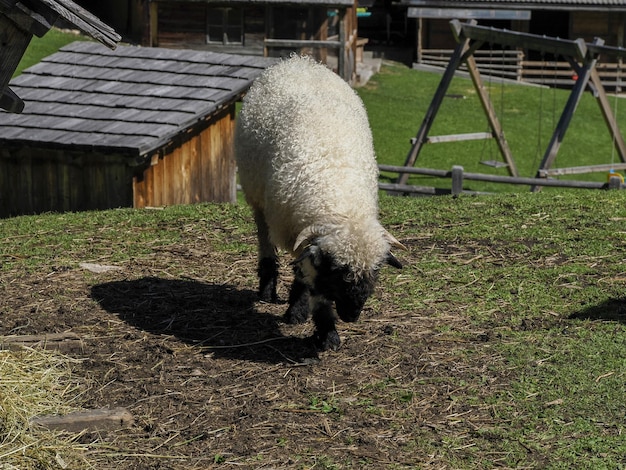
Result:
x=10 y=56
x=104 y=419
x=65 y=342
x=11 y=102
x=458 y=137
x=31 y=22
x=84 y=20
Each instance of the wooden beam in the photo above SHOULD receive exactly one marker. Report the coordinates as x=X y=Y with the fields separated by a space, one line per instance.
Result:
x=29 y=20
x=492 y=118
x=468 y=13
x=584 y=74
x=16 y=40
x=341 y=52
x=579 y=170
x=608 y=50
x=459 y=137
x=153 y=26
x=576 y=48
x=297 y=43
x=607 y=114
x=10 y=102
x=433 y=108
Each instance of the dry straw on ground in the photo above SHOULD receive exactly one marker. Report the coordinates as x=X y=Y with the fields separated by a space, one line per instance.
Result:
x=36 y=382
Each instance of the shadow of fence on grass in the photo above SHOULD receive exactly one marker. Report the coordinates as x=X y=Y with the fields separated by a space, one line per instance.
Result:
x=220 y=318
x=609 y=310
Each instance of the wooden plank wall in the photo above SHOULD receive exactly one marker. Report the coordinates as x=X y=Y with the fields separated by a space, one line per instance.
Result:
x=181 y=23
x=589 y=25
x=200 y=168
x=184 y=24
x=583 y=24
x=35 y=180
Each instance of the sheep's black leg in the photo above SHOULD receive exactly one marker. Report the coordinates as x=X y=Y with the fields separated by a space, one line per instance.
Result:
x=325 y=336
x=268 y=261
x=268 y=278
x=298 y=310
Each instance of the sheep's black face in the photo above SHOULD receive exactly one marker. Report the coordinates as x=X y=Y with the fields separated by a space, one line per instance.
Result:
x=338 y=284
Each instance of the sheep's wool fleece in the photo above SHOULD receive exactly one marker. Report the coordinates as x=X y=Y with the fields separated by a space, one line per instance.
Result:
x=305 y=155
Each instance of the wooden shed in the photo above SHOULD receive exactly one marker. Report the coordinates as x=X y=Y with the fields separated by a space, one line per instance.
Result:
x=131 y=127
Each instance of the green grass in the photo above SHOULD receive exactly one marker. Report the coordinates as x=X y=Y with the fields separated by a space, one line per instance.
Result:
x=397 y=99
x=529 y=290
x=48 y=44
x=543 y=275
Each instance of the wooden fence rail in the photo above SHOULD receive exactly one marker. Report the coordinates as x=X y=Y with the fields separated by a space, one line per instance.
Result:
x=458 y=175
x=513 y=65
x=503 y=63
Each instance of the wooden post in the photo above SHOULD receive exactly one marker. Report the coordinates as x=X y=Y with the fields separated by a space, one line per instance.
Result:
x=418 y=39
x=435 y=104
x=584 y=74
x=615 y=182
x=341 y=52
x=319 y=19
x=607 y=114
x=462 y=53
x=492 y=118
x=153 y=35
x=457 y=180
x=269 y=28
x=16 y=41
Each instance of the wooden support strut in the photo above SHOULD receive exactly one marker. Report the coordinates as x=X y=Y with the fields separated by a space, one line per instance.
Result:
x=582 y=57
x=565 y=47
x=494 y=123
x=584 y=75
x=464 y=52
x=435 y=104
x=607 y=114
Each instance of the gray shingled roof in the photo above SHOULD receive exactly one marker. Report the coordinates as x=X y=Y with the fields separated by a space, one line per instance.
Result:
x=329 y=3
x=598 y=5
x=132 y=99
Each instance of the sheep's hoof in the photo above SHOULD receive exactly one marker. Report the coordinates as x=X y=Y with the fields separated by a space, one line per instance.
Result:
x=325 y=342
x=297 y=313
x=268 y=279
x=268 y=294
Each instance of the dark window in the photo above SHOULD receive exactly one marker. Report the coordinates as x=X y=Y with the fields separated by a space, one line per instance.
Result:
x=224 y=25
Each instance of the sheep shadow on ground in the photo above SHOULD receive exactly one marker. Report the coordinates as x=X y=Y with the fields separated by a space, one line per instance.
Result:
x=609 y=310
x=220 y=318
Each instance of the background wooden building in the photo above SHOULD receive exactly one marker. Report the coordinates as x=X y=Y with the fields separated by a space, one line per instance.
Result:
x=566 y=19
x=325 y=29
x=130 y=127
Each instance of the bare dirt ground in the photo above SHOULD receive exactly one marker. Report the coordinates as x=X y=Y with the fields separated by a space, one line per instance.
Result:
x=214 y=378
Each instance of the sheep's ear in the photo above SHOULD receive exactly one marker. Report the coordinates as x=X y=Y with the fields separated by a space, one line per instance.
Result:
x=393 y=241
x=393 y=261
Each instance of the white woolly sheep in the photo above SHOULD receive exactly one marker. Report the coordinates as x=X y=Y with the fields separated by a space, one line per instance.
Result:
x=307 y=167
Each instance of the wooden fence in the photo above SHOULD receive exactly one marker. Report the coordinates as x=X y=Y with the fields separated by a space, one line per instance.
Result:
x=458 y=175
x=511 y=64
x=502 y=63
